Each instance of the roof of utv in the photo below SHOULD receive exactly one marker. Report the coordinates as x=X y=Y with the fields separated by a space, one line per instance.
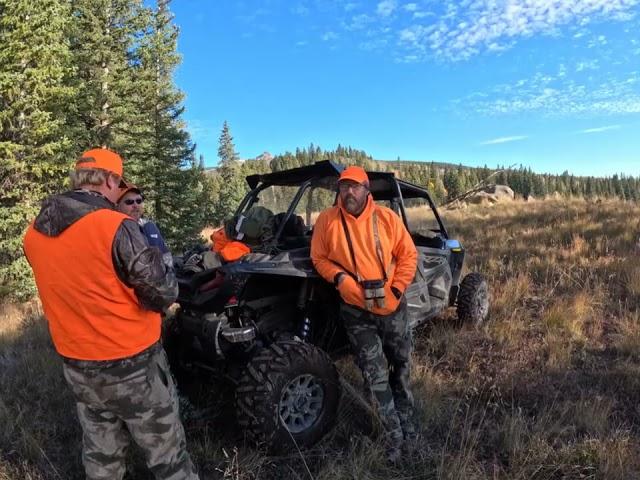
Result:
x=382 y=184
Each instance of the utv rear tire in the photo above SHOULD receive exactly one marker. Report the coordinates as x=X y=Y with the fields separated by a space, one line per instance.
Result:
x=473 y=299
x=288 y=390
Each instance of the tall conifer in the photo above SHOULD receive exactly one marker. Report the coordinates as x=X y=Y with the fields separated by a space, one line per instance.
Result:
x=34 y=147
x=232 y=188
x=103 y=41
x=154 y=140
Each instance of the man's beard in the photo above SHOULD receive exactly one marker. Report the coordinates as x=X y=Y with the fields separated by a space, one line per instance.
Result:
x=351 y=205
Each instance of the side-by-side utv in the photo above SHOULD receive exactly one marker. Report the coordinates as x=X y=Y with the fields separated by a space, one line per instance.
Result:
x=272 y=327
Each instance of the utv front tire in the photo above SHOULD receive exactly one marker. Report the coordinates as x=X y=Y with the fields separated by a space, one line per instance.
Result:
x=473 y=299
x=288 y=390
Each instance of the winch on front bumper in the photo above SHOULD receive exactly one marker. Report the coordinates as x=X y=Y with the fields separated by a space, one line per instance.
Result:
x=216 y=330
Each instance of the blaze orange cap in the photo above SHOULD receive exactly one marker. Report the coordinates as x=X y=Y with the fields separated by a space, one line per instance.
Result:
x=126 y=187
x=355 y=173
x=100 y=158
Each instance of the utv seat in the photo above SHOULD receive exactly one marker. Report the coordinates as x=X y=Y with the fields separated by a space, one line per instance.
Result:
x=294 y=232
x=430 y=241
x=191 y=292
x=189 y=283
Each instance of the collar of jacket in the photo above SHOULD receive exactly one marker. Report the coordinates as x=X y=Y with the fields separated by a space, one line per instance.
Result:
x=95 y=194
x=59 y=212
x=364 y=216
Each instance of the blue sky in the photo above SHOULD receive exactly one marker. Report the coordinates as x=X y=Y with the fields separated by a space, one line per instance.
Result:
x=550 y=84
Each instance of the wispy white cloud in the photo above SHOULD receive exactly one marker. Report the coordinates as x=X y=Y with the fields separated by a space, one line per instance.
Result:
x=471 y=27
x=407 y=59
x=454 y=30
x=419 y=14
x=254 y=15
x=587 y=65
x=359 y=22
x=375 y=43
x=386 y=7
x=329 y=36
x=556 y=95
x=300 y=9
x=601 y=129
x=598 y=41
x=499 y=140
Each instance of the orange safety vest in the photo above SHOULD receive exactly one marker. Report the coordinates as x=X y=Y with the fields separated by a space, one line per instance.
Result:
x=229 y=250
x=92 y=315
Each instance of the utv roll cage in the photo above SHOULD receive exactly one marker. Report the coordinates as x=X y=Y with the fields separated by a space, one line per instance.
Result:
x=384 y=186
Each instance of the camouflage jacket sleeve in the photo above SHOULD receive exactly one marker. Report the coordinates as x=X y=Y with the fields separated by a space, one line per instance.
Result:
x=144 y=268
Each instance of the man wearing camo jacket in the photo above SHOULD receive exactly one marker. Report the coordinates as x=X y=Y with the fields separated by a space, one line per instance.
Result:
x=102 y=288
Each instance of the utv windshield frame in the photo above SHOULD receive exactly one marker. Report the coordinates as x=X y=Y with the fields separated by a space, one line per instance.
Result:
x=384 y=186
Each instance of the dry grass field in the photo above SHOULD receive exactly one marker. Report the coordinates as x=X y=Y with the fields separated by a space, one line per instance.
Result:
x=549 y=388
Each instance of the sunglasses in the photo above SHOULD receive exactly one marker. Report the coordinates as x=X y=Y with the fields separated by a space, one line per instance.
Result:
x=131 y=201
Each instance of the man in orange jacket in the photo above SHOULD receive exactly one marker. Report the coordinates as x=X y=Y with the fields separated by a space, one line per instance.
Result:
x=102 y=288
x=365 y=250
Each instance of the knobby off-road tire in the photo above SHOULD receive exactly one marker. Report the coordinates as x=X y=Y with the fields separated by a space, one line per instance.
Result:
x=290 y=389
x=473 y=299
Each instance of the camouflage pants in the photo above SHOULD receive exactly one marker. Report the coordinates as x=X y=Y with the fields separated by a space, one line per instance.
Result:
x=134 y=397
x=382 y=345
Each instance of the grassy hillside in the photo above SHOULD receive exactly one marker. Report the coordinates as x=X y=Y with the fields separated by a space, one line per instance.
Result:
x=548 y=389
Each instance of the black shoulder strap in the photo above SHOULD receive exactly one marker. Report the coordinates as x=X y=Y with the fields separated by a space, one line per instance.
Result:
x=350 y=244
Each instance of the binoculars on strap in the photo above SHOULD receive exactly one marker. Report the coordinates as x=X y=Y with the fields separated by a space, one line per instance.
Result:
x=373 y=293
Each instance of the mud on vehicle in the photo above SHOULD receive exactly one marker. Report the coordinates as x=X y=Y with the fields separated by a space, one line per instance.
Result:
x=272 y=327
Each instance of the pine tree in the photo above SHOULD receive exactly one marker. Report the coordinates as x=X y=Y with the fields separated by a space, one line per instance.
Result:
x=452 y=182
x=103 y=42
x=34 y=147
x=212 y=186
x=155 y=140
x=232 y=188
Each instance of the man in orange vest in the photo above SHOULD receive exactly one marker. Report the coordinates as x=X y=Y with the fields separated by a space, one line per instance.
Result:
x=102 y=288
x=365 y=250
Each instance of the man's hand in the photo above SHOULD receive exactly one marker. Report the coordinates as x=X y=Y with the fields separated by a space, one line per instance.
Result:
x=350 y=290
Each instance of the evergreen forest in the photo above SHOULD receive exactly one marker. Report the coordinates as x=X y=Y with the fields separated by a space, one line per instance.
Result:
x=85 y=73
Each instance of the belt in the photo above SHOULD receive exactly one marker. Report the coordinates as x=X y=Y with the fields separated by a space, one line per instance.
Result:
x=139 y=357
